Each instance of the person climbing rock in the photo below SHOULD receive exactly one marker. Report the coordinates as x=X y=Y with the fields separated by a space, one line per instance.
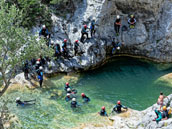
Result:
x=64 y=48
x=116 y=46
x=23 y=103
x=40 y=76
x=57 y=50
x=92 y=28
x=161 y=99
x=68 y=97
x=85 y=98
x=132 y=21
x=117 y=25
x=76 y=47
x=45 y=33
x=74 y=103
x=84 y=32
x=67 y=86
x=103 y=112
x=118 y=107
x=26 y=70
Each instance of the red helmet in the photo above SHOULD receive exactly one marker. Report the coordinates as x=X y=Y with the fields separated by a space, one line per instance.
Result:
x=103 y=108
x=118 y=102
x=82 y=94
x=38 y=59
x=65 y=40
x=67 y=83
x=85 y=26
x=76 y=41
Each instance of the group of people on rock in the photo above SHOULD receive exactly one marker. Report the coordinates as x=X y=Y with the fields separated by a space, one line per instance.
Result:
x=162 y=113
x=71 y=96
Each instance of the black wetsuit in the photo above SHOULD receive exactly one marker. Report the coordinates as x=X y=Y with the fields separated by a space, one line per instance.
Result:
x=74 y=104
x=117 y=25
x=103 y=113
x=86 y=99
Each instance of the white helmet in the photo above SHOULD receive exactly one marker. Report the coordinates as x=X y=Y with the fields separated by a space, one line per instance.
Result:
x=118 y=48
x=18 y=98
x=37 y=62
x=41 y=68
x=68 y=94
x=43 y=26
x=68 y=89
x=74 y=99
x=118 y=17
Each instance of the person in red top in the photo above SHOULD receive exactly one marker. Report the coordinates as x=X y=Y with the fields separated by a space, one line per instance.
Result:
x=117 y=24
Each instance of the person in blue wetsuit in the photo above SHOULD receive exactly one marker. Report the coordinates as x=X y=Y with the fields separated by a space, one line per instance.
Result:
x=85 y=98
x=118 y=107
x=74 y=103
x=23 y=103
x=40 y=76
x=103 y=112
x=68 y=97
x=44 y=32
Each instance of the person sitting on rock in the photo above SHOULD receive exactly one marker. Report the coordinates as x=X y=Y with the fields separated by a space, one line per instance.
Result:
x=92 y=28
x=103 y=112
x=23 y=103
x=118 y=107
x=164 y=115
x=68 y=97
x=161 y=99
x=76 y=47
x=159 y=116
x=74 y=103
x=117 y=25
x=132 y=21
x=84 y=32
x=64 y=48
x=85 y=98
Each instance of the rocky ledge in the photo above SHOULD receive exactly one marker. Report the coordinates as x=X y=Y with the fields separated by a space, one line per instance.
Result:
x=151 y=38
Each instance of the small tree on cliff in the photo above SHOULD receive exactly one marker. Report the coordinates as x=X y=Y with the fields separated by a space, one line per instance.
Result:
x=16 y=44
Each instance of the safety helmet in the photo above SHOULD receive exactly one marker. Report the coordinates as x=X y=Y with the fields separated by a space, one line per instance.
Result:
x=68 y=89
x=40 y=68
x=74 y=99
x=38 y=59
x=65 y=40
x=43 y=26
x=82 y=94
x=118 y=17
x=18 y=98
x=118 y=48
x=67 y=83
x=68 y=94
x=37 y=62
x=103 y=108
x=76 y=41
x=119 y=102
x=132 y=16
x=85 y=26
x=164 y=108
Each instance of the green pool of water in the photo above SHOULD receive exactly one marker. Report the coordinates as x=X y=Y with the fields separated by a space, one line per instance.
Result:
x=130 y=80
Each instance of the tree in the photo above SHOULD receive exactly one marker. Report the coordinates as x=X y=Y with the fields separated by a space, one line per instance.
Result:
x=16 y=44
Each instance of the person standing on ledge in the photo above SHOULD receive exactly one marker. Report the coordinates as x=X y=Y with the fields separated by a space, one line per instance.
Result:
x=84 y=32
x=117 y=25
x=40 y=76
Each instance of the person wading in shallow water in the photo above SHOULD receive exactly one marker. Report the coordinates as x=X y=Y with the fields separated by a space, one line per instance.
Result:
x=118 y=107
x=103 y=112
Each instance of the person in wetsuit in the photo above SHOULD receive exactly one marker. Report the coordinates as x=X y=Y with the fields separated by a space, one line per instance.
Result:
x=103 y=112
x=85 y=98
x=23 y=103
x=68 y=97
x=74 y=104
x=118 y=107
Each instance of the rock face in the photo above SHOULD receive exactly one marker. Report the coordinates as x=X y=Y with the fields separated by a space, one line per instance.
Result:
x=151 y=37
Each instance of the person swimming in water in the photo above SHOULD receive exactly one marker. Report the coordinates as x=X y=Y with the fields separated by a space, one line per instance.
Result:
x=23 y=103
x=161 y=99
